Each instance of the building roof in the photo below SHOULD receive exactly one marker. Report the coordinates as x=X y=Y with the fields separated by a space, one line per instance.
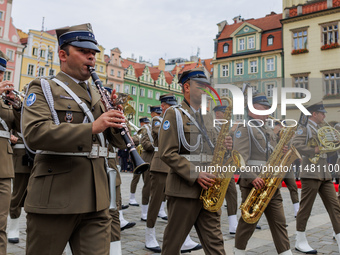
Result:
x=208 y=65
x=270 y=22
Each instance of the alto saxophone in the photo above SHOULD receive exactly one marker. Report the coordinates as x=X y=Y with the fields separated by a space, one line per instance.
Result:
x=258 y=199
x=213 y=197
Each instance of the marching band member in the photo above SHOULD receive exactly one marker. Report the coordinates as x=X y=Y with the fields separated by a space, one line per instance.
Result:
x=255 y=144
x=315 y=178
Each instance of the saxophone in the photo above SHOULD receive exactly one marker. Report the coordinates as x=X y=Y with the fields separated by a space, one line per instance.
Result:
x=258 y=199
x=213 y=197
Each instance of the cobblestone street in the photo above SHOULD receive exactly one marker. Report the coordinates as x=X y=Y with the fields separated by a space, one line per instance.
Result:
x=319 y=230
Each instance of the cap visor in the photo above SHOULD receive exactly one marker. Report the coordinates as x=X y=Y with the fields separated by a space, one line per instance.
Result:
x=85 y=45
x=201 y=80
x=2 y=68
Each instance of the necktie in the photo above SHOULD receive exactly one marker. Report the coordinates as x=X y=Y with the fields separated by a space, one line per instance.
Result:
x=84 y=86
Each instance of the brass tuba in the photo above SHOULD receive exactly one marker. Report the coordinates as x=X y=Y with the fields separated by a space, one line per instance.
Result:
x=258 y=199
x=213 y=197
x=329 y=139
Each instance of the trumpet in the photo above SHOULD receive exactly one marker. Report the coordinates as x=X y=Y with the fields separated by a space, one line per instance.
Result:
x=16 y=102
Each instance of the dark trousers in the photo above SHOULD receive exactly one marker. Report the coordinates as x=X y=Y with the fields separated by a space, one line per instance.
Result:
x=310 y=188
x=183 y=214
x=88 y=233
x=276 y=220
x=292 y=187
x=5 y=200
x=157 y=196
x=231 y=198
x=18 y=194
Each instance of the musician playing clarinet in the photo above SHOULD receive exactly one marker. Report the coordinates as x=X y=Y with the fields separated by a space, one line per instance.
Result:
x=68 y=195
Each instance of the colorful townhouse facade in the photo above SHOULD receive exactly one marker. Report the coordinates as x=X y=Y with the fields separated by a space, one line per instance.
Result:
x=249 y=51
x=145 y=85
x=100 y=66
x=40 y=55
x=312 y=53
x=114 y=70
x=10 y=43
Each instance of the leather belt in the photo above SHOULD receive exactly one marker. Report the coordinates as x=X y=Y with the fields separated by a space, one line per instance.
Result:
x=19 y=146
x=252 y=162
x=5 y=134
x=204 y=158
x=96 y=152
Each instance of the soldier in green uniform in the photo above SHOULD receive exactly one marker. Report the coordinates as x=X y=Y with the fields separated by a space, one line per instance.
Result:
x=135 y=179
x=289 y=178
x=231 y=195
x=23 y=164
x=186 y=141
x=67 y=195
x=255 y=145
x=315 y=178
x=9 y=119
x=158 y=173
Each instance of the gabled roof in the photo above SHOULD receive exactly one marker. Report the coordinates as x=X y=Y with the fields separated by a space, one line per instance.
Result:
x=208 y=65
x=269 y=22
x=126 y=63
x=154 y=73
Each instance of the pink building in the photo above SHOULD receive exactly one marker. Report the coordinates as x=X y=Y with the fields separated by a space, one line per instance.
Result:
x=10 y=43
x=115 y=71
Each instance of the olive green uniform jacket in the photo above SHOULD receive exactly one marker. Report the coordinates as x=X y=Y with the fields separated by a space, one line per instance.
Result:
x=65 y=184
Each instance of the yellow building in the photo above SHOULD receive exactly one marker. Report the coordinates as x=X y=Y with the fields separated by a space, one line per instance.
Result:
x=312 y=53
x=40 y=55
x=101 y=64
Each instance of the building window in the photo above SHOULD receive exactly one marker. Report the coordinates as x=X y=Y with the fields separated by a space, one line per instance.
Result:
x=225 y=47
x=253 y=66
x=118 y=74
x=150 y=93
x=224 y=93
x=141 y=107
x=225 y=70
x=158 y=94
x=0 y=31
x=51 y=72
x=35 y=52
x=270 y=40
x=239 y=68
x=133 y=104
x=112 y=72
x=179 y=100
x=149 y=108
x=270 y=64
x=241 y=44
x=1 y=15
x=101 y=69
x=41 y=71
x=238 y=117
x=332 y=83
x=126 y=89
x=133 y=90
x=42 y=53
x=117 y=87
x=270 y=90
x=10 y=54
x=300 y=81
x=300 y=39
x=330 y=34
x=7 y=75
x=251 y=42
x=30 y=69
x=146 y=77
x=142 y=92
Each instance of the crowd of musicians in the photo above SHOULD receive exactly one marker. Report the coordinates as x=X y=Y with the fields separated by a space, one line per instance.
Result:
x=57 y=147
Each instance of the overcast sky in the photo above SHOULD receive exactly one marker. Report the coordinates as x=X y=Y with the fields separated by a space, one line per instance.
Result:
x=148 y=28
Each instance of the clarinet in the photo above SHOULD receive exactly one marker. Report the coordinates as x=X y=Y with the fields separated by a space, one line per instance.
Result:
x=139 y=165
